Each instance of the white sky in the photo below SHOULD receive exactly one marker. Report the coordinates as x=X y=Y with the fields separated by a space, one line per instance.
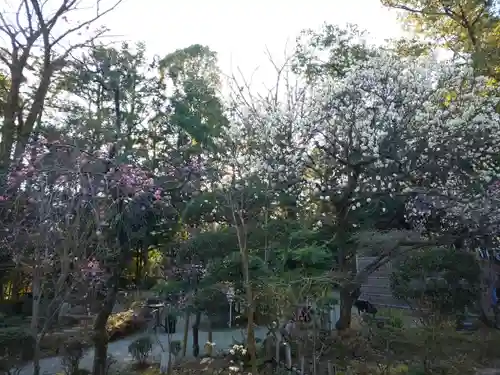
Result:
x=241 y=30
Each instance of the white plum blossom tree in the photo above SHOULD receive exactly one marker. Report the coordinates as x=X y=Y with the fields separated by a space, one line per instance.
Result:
x=415 y=128
x=416 y=131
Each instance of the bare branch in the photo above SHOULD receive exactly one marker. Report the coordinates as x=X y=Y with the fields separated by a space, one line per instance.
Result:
x=16 y=121
x=85 y=24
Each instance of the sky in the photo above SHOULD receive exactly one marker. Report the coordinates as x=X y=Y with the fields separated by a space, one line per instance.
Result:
x=240 y=31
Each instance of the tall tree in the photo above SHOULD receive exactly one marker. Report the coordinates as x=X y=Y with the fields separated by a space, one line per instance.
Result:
x=466 y=27
x=195 y=122
x=330 y=50
x=37 y=48
x=196 y=109
x=397 y=127
x=91 y=81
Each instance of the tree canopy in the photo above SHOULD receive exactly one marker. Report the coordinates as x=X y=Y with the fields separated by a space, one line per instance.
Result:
x=138 y=164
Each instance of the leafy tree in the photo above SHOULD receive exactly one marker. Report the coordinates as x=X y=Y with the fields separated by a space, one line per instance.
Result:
x=330 y=51
x=29 y=28
x=195 y=107
x=113 y=208
x=384 y=139
x=93 y=79
x=125 y=206
x=355 y=149
x=440 y=283
x=469 y=27
x=395 y=127
x=195 y=123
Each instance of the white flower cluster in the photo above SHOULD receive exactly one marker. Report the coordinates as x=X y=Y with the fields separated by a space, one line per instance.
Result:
x=238 y=350
x=393 y=125
x=390 y=126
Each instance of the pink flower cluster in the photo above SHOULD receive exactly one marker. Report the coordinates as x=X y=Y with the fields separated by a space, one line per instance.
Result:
x=157 y=194
x=71 y=163
x=131 y=179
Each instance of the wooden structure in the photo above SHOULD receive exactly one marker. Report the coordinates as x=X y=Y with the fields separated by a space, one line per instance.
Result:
x=377 y=289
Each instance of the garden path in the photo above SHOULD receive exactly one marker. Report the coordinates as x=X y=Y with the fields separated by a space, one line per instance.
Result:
x=119 y=349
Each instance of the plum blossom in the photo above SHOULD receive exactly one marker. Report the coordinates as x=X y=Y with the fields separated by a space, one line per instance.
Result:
x=396 y=126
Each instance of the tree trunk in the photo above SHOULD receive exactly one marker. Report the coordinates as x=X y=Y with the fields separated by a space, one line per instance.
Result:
x=9 y=127
x=138 y=270
x=346 y=303
x=196 y=335
x=100 y=351
x=36 y=357
x=250 y=310
x=100 y=336
x=36 y=288
x=241 y=232
x=210 y=337
x=485 y=318
x=251 y=345
x=2 y=288
x=36 y=109
x=16 y=283
x=186 y=333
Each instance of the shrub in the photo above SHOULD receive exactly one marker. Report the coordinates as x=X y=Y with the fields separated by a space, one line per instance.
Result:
x=441 y=283
x=125 y=323
x=71 y=354
x=175 y=347
x=16 y=347
x=239 y=354
x=140 y=349
x=9 y=321
x=82 y=371
x=394 y=318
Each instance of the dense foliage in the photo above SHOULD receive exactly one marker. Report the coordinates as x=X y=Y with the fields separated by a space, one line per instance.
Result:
x=442 y=283
x=118 y=169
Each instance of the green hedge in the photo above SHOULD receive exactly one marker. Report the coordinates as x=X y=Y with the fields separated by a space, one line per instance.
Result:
x=16 y=346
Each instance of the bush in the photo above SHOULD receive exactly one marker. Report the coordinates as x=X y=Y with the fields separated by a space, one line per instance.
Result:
x=394 y=318
x=8 y=321
x=16 y=347
x=72 y=353
x=125 y=323
x=80 y=371
x=442 y=283
x=239 y=355
x=140 y=349
x=17 y=307
x=175 y=347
